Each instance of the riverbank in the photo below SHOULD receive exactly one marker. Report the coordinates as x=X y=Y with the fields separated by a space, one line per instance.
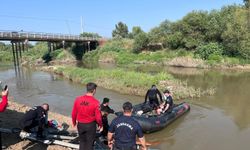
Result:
x=10 y=119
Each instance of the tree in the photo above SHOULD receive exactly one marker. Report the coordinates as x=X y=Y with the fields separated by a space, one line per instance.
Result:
x=120 y=31
x=141 y=42
x=135 y=31
x=236 y=37
x=194 y=28
x=89 y=34
x=160 y=34
x=247 y=3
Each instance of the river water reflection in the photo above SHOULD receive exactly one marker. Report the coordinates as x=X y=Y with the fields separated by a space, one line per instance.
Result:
x=220 y=122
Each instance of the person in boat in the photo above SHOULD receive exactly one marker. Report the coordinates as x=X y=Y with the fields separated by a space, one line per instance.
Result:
x=123 y=131
x=151 y=95
x=105 y=110
x=35 y=117
x=167 y=105
x=86 y=115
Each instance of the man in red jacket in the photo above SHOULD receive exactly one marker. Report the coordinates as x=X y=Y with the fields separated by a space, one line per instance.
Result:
x=86 y=113
x=4 y=101
x=3 y=106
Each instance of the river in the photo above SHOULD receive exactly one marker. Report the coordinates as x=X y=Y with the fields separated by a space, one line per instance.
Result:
x=219 y=122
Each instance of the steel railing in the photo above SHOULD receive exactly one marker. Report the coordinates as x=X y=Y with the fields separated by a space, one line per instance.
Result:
x=14 y=35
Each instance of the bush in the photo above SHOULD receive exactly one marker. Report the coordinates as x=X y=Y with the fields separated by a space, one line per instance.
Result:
x=55 y=53
x=204 y=51
x=215 y=57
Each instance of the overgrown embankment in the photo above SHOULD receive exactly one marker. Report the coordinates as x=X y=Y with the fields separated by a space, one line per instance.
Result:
x=120 y=52
x=127 y=82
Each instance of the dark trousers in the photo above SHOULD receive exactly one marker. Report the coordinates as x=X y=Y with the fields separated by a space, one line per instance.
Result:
x=105 y=126
x=125 y=148
x=86 y=133
x=154 y=102
x=29 y=124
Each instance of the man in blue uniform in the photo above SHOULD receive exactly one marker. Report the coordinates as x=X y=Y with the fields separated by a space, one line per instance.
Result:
x=123 y=131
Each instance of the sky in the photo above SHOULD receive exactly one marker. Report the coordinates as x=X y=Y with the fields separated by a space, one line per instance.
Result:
x=98 y=16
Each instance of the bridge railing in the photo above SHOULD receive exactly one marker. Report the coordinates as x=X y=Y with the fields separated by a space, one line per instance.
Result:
x=43 y=36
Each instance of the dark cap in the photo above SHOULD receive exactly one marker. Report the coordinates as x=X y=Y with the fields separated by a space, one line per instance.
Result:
x=105 y=100
x=127 y=106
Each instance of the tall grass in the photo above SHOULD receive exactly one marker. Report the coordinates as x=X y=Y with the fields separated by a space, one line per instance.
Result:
x=127 y=82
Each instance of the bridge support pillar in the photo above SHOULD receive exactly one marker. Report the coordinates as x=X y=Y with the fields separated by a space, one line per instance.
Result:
x=17 y=52
x=13 y=50
x=49 y=46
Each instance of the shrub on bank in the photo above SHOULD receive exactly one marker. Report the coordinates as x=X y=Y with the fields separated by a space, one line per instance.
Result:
x=204 y=51
x=6 y=56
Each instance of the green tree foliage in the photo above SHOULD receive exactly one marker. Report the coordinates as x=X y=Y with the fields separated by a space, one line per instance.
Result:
x=120 y=31
x=198 y=31
x=4 y=47
x=193 y=27
x=135 y=31
x=247 y=3
x=89 y=34
x=209 y=50
x=175 y=40
x=236 y=35
x=160 y=34
x=141 y=42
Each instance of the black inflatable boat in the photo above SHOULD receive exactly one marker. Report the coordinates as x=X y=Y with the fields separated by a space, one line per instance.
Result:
x=152 y=123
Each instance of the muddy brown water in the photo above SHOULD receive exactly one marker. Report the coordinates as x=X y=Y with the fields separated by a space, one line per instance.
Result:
x=219 y=122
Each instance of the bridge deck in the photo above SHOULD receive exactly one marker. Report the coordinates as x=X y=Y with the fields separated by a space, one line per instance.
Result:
x=33 y=36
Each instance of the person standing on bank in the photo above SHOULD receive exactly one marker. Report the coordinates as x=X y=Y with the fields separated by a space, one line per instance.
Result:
x=123 y=131
x=85 y=114
x=4 y=102
x=3 y=105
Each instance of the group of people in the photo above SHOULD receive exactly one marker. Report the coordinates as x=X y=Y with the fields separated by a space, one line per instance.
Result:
x=90 y=117
x=152 y=96
x=122 y=131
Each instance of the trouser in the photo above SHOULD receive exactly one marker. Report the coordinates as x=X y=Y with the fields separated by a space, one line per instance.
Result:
x=86 y=133
x=28 y=125
x=124 y=148
x=146 y=108
x=154 y=103
x=105 y=126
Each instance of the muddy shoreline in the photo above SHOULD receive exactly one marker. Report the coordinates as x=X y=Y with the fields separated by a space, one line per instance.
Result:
x=10 y=119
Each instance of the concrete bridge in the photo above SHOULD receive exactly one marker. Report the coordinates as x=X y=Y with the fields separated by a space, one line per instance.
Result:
x=20 y=39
